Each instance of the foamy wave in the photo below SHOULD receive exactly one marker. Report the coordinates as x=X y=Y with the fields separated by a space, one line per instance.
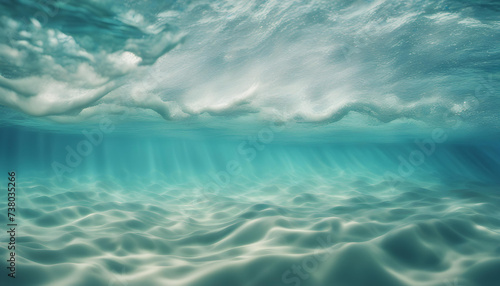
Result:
x=61 y=58
x=309 y=62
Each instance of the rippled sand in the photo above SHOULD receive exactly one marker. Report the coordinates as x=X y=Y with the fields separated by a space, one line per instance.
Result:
x=312 y=231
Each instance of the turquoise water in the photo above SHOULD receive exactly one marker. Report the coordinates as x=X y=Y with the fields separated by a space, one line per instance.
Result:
x=265 y=143
x=163 y=211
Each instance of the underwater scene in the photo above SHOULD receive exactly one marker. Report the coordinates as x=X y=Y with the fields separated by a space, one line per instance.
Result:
x=242 y=143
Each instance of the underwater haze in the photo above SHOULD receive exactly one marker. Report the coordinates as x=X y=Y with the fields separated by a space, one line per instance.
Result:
x=266 y=143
